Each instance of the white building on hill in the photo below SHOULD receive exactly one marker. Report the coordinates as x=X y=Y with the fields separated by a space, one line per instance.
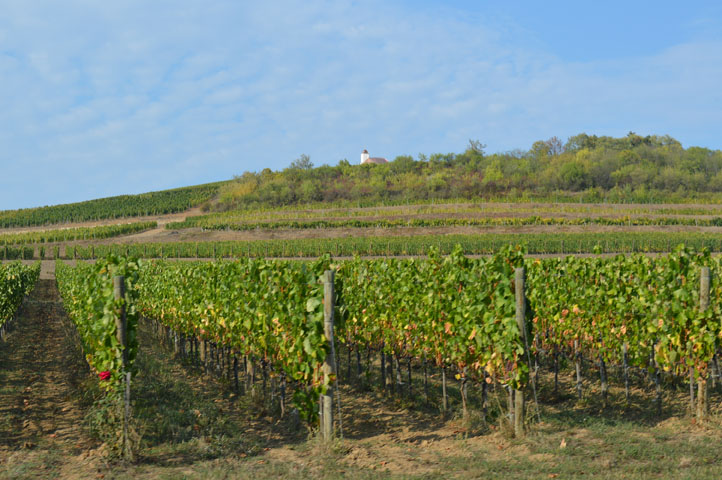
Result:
x=366 y=159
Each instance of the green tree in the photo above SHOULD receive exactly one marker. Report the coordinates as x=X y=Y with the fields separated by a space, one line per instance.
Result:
x=301 y=163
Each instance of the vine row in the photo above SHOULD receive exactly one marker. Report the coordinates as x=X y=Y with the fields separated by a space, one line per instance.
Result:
x=16 y=281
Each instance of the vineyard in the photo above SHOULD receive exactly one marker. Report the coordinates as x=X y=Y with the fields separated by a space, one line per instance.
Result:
x=17 y=253
x=574 y=200
x=70 y=234
x=105 y=316
x=89 y=298
x=479 y=208
x=264 y=310
x=152 y=203
x=420 y=245
x=305 y=318
x=654 y=318
x=442 y=335
x=211 y=223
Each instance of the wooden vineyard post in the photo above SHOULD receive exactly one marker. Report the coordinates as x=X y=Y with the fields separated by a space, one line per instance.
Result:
x=121 y=323
x=702 y=397
x=603 y=377
x=445 y=397
x=625 y=360
x=691 y=391
x=329 y=364
x=383 y=367
x=578 y=367
x=657 y=380
x=521 y=322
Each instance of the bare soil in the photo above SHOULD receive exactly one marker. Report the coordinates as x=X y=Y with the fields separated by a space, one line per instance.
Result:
x=41 y=426
x=198 y=235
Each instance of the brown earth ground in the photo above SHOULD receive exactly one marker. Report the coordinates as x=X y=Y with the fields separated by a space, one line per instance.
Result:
x=39 y=375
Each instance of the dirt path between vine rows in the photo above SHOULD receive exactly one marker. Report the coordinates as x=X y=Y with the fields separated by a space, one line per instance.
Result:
x=41 y=433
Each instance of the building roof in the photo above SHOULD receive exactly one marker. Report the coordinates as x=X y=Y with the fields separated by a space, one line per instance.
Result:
x=376 y=160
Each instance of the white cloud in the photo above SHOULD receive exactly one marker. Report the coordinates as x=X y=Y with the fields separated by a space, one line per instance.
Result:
x=101 y=99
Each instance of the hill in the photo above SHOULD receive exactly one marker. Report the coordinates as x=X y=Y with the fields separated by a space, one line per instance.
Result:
x=588 y=168
x=122 y=206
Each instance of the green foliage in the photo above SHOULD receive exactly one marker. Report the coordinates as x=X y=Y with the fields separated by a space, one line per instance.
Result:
x=302 y=163
x=16 y=253
x=16 y=281
x=104 y=420
x=452 y=311
x=270 y=310
x=650 y=303
x=88 y=297
x=482 y=244
x=228 y=222
x=630 y=169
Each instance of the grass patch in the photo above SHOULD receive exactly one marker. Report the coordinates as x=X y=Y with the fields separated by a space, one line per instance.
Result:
x=183 y=418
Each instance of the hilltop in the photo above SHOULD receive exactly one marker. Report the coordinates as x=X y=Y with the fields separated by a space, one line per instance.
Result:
x=587 y=168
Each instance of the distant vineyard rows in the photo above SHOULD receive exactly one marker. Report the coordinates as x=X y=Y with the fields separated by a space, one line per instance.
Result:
x=517 y=210
x=212 y=223
x=153 y=203
x=565 y=243
x=70 y=234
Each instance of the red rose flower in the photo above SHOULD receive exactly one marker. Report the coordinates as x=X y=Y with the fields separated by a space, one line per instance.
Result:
x=104 y=375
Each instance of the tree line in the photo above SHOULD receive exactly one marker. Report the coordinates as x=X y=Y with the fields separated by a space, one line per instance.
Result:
x=586 y=167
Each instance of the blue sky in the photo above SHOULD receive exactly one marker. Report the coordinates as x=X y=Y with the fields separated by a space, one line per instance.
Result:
x=102 y=98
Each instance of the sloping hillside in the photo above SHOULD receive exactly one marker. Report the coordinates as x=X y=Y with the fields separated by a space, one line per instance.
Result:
x=122 y=206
